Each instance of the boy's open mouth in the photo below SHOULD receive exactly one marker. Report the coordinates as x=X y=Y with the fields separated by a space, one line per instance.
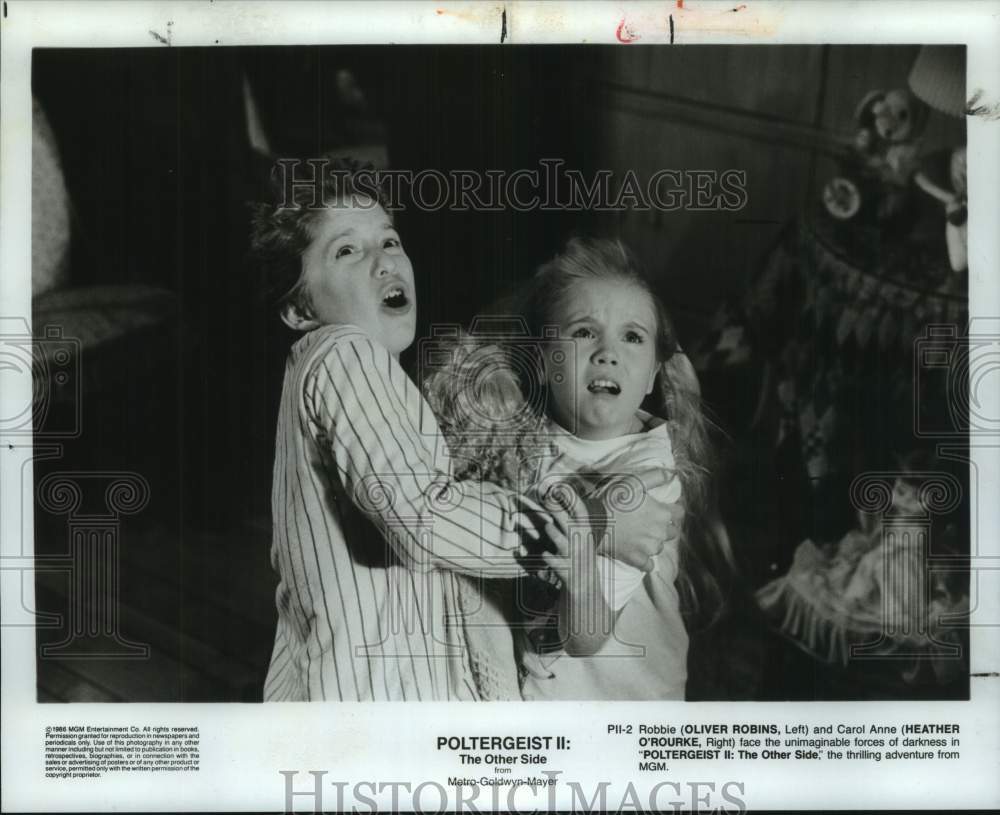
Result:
x=394 y=298
x=605 y=386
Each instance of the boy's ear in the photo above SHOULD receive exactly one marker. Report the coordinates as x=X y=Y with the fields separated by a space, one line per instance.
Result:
x=298 y=318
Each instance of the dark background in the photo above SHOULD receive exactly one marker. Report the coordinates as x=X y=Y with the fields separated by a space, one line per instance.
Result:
x=159 y=167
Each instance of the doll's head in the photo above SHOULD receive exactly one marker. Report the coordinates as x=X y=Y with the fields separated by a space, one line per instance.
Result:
x=478 y=400
x=889 y=117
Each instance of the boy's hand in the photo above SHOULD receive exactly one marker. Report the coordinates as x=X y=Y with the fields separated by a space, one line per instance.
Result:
x=641 y=533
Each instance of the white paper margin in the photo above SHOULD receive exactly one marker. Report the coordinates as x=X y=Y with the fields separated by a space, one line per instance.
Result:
x=245 y=746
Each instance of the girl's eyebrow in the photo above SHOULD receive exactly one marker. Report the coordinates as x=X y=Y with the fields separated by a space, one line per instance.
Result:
x=640 y=326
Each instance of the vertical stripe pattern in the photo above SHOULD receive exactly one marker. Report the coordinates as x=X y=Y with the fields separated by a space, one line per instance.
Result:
x=368 y=530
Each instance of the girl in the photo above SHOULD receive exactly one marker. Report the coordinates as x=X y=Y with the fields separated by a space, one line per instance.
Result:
x=586 y=628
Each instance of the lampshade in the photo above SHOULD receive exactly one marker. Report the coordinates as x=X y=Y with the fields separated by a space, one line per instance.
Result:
x=938 y=77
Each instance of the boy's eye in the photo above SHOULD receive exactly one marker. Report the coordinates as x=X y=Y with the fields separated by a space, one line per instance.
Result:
x=391 y=243
x=582 y=333
x=633 y=336
x=344 y=250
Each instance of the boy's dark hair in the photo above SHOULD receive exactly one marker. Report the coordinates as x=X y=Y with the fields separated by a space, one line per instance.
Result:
x=283 y=228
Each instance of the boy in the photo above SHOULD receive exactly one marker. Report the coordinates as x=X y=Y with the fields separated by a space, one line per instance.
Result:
x=368 y=533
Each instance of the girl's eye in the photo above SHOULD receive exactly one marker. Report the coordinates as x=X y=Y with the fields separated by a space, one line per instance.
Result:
x=633 y=336
x=582 y=333
x=344 y=250
x=391 y=243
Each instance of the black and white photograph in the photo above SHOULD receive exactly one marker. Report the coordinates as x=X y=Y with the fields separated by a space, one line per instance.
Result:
x=186 y=238
x=633 y=370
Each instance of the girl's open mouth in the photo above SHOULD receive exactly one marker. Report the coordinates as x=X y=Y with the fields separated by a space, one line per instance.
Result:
x=605 y=386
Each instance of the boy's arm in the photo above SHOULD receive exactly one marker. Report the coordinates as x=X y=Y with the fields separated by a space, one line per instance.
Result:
x=641 y=532
x=366 y=413
x=618 y=579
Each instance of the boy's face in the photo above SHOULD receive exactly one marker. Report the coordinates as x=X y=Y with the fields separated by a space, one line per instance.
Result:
x=355 y=271
x=613 y=328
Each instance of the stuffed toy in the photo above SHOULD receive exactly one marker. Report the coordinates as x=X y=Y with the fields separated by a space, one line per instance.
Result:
x=890 y=125
x=882 y=157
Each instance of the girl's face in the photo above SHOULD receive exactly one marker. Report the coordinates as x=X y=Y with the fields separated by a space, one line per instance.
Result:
x=613 y=327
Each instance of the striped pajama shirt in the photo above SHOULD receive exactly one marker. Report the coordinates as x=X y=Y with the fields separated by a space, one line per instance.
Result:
x=369 y=532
